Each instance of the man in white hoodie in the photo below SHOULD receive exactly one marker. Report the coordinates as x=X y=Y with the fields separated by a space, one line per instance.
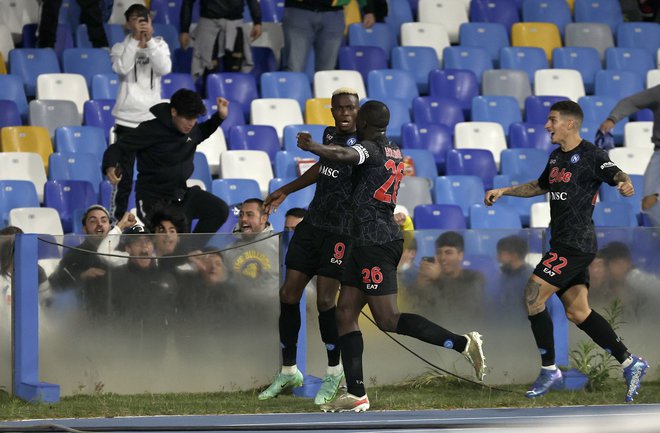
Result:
x=139 y=61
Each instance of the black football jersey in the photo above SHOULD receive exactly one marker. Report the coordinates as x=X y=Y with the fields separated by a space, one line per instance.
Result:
x=330 y=209
x=572 y=179
x=376 y=181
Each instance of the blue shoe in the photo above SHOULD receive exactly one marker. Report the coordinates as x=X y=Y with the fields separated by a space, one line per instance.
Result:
x=548 y=379
x=633 y=375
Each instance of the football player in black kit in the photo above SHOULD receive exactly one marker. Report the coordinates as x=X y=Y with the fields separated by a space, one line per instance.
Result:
x=370 y=275
x=572 y=177
x=318 y=247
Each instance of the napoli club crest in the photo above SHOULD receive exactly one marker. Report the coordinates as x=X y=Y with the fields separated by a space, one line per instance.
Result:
x=351 y=141
x=575 y=158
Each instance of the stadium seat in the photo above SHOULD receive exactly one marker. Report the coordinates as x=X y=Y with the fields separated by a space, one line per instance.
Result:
x=463 y=191
x=559 y=82
x=379 y=35
x=439 y=216
x=528 y=59
x=247 y=164
x=15 y=194
x=475 y=59
x=418 y=61
x=235 y=117
x=392 y=83
x=500 y=109
x=9 y=115
x=618 y=84
x=326 y=82
x=507 y=83
x=67 y=196
x=597 y=108
x=76 y=166
x=286 y=84
x=235 y=191
x=584 y=59
x=522 y=205
x=67 y=87
x=472 y=162
x=263 y=60
x=286 y=162
x=212 y=147
x=542 y=35
x=301 y=198
x=629 y=59
x=609 y=194
x=235 y=86
x=105 y=193
x=168 y=12
x=255 y=137
x=27 y=139
x=423 y=162
x=588 y=130
x=504 y=12
x=399 y=12
x=492 y=36
x=539 y=215
x=537 y=108
x=201 y=170
x=425 y=35
x=276 y=112
x=291 y=131
x=529 y=135
x=499 y=216
x=63 y=38
x=317 y=111
x=113 y=32
x=614 y=214
x=523 y=165
x=631 y=160
x=182 y=59
x=362 y=59
x=52 y=113
x=105 y=86
x=169 y=33
x=638 y=134
x=172 y=82
x=480 y=135
x=29 y=63
x=119 y=7
x=435 y=138
x=461 y=85
x=547 y=11
x=24 y=166
x=437 y=111
x=599 y=11
x=644 y=35
x=11 y=88
x=98 y=112
x=86 y=62
x=414 y=191
x=81 y=139
x=37 y=220
x=448 y=13
x=591 y=35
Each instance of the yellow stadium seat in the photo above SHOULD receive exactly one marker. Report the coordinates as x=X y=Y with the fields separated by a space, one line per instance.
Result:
x=542 y=35
x=3 y=65
x=27 y=139
x=317 y=111
x=352 y=14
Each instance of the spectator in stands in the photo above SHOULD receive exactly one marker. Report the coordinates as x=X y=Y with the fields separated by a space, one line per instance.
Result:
x=649 y=98
x=140 y=61
x=167 y=223
x=220 y=24
x=373 y=11
x=91 y=14
x=165 y=148
x=515 y=272
x=293 y=217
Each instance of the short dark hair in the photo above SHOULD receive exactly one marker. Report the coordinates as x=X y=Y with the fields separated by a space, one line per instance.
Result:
x=258 y=201
x=136 y=9
x=162 y=212
x=376 y=114
x=450 y=239
x=297 y=212
x=568 y=108
x=513 y=244
x=91 y=208
x=187 y=104
x=614 y=251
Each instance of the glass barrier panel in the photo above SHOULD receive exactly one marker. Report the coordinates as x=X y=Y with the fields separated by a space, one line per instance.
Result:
x=6 y=260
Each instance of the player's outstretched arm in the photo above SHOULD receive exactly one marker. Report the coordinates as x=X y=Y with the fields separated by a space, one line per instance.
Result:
x=624 y=184
x=529 y=189
x=275 y=198
x=332 y=152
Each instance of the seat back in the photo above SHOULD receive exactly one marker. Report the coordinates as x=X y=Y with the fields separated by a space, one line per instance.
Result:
x=439 y=216
x=472 y=162
x=461 y=190
x=537 y=108
x=317 y=111
x=286 y=162
x=201 y=170
x=458 y=84
x=539 y=215
x=418 y=61
x=559 y=82
x=584 y=59
x=491 y=36
x=362 y=59
x=67 y=197
x=438 y=111
x=618 y=84
x=51 y=114
x=65 y=87
x=547 y=11
x=480 y=135
x=247 y=164
x=631 y=160
x=24 y=166
x=33 y=139
x=235 y=86
x=448 y=13
x=86 y=62
x=423 y=161
x=523 y=165
x=629 y=59
x=37 y=220
x=276 y=112
x=12 y=89
x=399 y=12
x=235 y=191
x=644 y=35
x=530 y=135
x=504 y=12
x=614 y=214
x=29 y=63
x=255 y=137
x=172 y=82
x=105 y=86
x=414 y=191
x=81 y=139
x=475 y=59
x=326 y=82
x=599 y=11
x=638 y=134
x=425 y=35
x=9 y=115
x=213 y=147
x=75 y=166
x=597 y=108
x=98 y=112
x=392 y=83
x=115 y=33
x=590 y=34
x=435 y=138
x=15 y=194
x=542 y=35
x=494 y=217
x=528 y=59
x=379 y=35
x=291 y=131
x=507 y=83
x=286 y=84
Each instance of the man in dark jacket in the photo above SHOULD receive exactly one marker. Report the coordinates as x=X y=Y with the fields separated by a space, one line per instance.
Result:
x=165 y=148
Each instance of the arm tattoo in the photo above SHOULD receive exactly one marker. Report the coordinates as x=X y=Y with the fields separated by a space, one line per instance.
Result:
x=621 y=177
x=529 y=189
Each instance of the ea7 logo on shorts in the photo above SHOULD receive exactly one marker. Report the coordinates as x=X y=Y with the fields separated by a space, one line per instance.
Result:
x=549 y=272
x=372 y=286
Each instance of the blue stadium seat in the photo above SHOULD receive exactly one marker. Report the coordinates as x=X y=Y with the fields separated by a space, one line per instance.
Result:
x=522 y=205
x=523 y=165
x=588 y=130
x=263 y=60
x=291 y=131
x=399 y=116
x=618 y=84
x=529 y=135
x=379 y=35
x=235 y=86
x=362 y=59
x=475 y=59
x=500 y=109
x=172 y=82
x=597 y=108
x=435 y=138
x=423 y=161
x=439 y=216
x=105 y=192
x=272 y=10
x=429 y=110
x=614 y=214
x=169 y=33
x=86 y=62
x=458 y=84
x=599 y=11
x=547 y=11
x=235 y=117
x=201 y=170
x=399 y=12
x=67 y=196
x=235 y=191
x=537 y=108
x=182 y=60
x=9 y=115
x=81 y=139
x=105 y=86
x=639 y=35
x=528 y=59
x=472 y=162
x=482 y=243
x=300 y=199
x=63 y=37
x=29 y=63
x=609 y=194
x=75 y=166
x=418 y=61
x=463 y=191
x=492 y=36
x=286 y=162
x=98 y=112
x=169 y=11
x=392 y=83
x=254 y=137
x=69 y=13
x=504 y=12
x=629 y=59
x=286 y=84
x=499 y=216
x=14 y=194
x=12 y=89
x=114 y=32
x=584 y=59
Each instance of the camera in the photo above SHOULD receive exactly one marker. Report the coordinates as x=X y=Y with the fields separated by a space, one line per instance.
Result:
x=143 y=16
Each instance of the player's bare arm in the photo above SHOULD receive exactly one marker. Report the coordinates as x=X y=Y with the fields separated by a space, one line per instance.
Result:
x=624 y=184
x=529 y=189
x=332 y=152
x=275 y=198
